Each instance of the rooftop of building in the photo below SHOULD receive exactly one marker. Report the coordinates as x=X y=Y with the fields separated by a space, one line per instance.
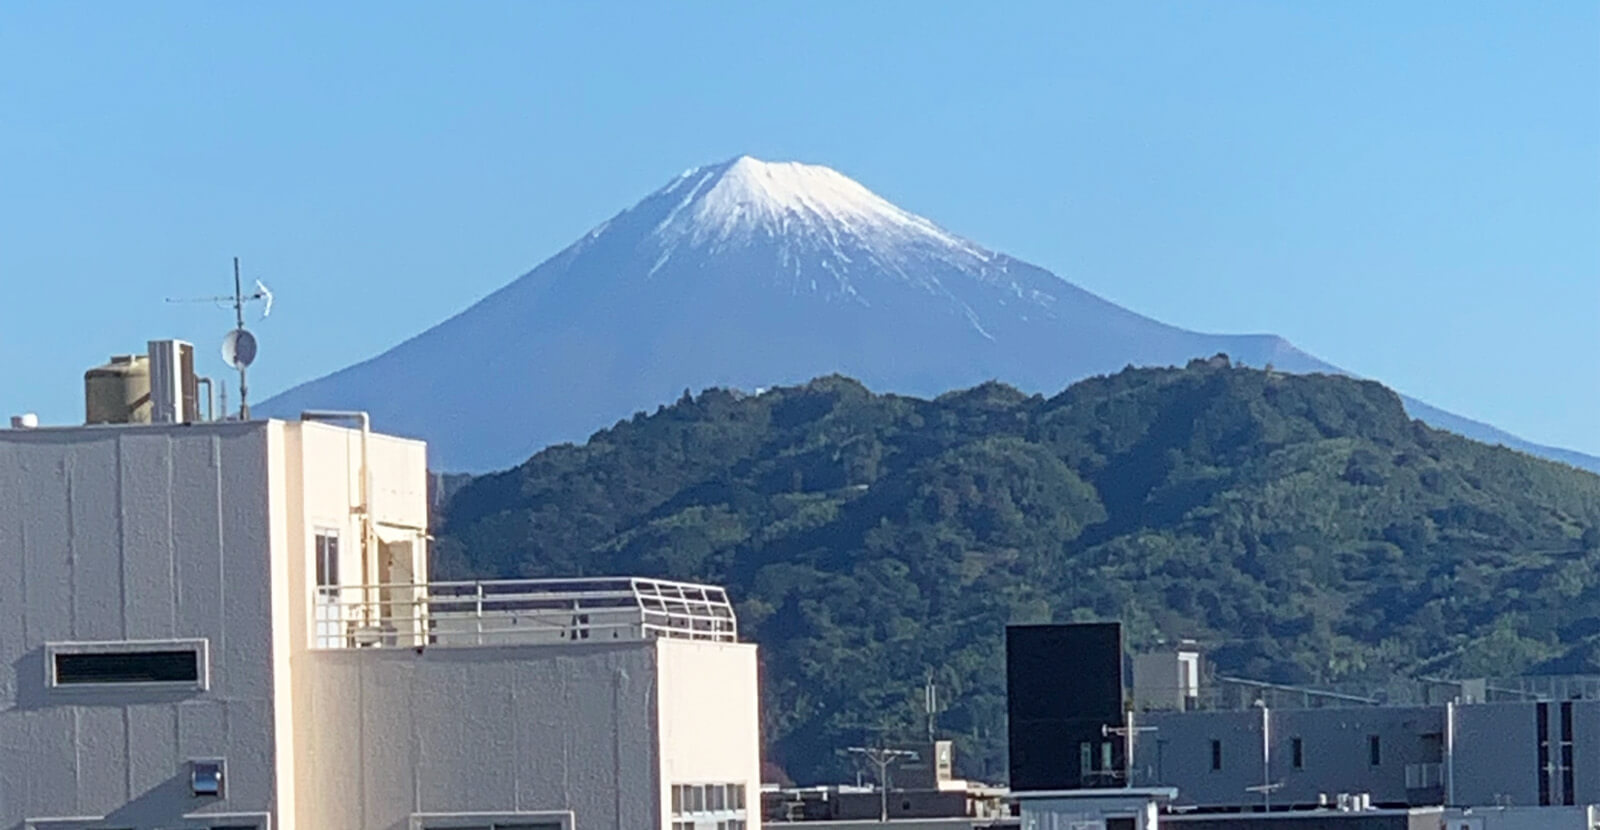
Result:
x=522 y=611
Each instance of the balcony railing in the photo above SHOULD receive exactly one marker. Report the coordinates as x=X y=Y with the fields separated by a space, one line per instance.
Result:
x=504 y=612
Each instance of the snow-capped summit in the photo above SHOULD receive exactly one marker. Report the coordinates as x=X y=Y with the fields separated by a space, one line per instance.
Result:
x=814 y=230
x=749 y=274
x=748 y=197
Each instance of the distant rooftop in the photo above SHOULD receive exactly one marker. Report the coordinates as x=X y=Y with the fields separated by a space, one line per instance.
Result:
x=1227 y=693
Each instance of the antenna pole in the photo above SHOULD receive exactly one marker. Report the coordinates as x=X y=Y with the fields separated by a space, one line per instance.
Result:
x=238 y=296
x=238 y=316
x=1128 y=731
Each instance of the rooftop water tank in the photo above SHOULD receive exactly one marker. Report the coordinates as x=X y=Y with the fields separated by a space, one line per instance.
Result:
x=118 y=392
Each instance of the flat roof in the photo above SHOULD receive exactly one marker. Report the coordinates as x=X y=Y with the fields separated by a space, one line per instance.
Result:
x=1301 y=815
x=1153 y=793
x=46 y=432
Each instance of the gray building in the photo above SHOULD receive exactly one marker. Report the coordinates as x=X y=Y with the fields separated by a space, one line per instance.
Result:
x=1187 y=747
x=1511 y=753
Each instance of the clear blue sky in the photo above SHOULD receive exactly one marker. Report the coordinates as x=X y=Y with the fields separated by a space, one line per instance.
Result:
x=1409 y=190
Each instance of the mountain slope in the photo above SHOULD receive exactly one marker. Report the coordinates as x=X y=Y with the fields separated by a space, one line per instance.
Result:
x=1302 y=527
x=749 y=274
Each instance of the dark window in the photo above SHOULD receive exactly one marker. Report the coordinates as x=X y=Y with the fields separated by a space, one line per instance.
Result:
x=1121 y=823
x=1542 y=715
x=677 y=799
x=1085 y=757
x=1568 y=797
x=163 y=666
x=1374 y=751
x=327 y=559
x=1297 y=752
x=1216 y=755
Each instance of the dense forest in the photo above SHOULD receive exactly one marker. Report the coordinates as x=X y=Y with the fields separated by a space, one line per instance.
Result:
x=1303 y=528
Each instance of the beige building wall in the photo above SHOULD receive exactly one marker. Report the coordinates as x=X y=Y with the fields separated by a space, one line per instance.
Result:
x=317 y=486
x=709 y=721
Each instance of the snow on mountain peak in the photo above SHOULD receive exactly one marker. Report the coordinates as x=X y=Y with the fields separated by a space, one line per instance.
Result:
x=747 y=196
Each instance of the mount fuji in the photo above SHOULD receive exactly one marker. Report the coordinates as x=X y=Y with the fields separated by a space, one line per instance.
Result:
x=750 y=274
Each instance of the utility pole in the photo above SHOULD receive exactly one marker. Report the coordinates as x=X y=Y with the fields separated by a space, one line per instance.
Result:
x=882 y=758
x=1127 y=731
x=1267 y=786
x=930 y=702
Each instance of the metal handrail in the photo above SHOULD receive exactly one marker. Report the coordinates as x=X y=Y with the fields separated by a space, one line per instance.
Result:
x=485 y=612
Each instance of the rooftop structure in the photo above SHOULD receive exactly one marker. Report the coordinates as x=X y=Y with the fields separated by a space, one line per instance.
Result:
x=231 y=624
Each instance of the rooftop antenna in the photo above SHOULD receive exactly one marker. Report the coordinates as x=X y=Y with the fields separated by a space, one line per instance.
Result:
x=1128 y=732
x=239 y=345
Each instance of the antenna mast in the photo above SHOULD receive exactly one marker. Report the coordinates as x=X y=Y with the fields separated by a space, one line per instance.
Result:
x=1128 y=731
x=239 y=346
x=238 y=318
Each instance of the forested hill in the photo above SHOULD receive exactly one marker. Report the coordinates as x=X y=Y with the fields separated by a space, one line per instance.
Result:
x=1301 y=526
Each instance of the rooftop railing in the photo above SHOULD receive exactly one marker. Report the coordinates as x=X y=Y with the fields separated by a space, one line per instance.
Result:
x=504 y=612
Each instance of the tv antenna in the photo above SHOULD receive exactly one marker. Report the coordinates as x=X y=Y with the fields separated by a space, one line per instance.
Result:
x=239 y=346
x=1128 y=732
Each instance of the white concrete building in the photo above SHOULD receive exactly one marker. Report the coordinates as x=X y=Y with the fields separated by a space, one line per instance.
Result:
x=230 y=625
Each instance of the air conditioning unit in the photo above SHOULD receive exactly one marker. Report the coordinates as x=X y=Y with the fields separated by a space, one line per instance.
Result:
x=174 y=388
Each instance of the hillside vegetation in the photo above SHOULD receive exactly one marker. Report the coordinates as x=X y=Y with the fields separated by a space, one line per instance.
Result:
x=1302 y=527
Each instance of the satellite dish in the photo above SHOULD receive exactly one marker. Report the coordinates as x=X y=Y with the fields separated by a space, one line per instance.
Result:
x=239 y=348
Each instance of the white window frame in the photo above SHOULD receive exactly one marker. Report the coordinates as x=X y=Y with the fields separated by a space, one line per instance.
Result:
x=200 y=646
x=327 y=601
x=735 y=801
x=318 y=568
x=440 y=821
